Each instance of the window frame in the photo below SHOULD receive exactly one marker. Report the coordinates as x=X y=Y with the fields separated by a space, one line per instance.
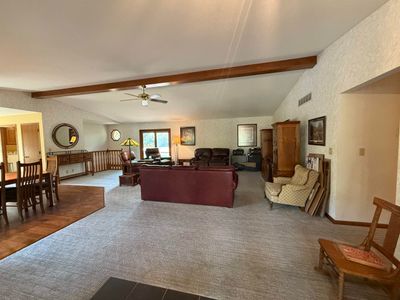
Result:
x=141 y=131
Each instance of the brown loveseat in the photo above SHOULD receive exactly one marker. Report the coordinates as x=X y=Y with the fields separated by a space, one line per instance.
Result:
x=204 y=185
x=211 y=157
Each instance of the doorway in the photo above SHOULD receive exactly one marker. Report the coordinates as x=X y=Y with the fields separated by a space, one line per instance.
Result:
x=9 y=147
x=31 y=142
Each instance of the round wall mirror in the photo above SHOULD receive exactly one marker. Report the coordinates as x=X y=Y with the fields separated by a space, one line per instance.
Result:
x=115 y=135
x=65 y=136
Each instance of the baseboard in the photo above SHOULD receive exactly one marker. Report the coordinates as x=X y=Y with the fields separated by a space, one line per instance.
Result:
x=353 y=223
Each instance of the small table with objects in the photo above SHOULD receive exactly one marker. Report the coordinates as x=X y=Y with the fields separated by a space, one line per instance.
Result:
x=184 y=161
x=129 y=179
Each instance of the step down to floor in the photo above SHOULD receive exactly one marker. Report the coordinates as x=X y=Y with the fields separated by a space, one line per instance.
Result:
x=120 y=289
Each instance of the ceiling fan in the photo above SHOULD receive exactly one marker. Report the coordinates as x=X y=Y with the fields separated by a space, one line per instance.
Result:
x=145 y=98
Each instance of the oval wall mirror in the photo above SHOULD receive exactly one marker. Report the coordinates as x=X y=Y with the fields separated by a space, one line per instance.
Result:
x=65 y=136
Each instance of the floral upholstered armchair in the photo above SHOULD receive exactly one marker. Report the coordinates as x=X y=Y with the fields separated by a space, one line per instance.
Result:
x=292 y=190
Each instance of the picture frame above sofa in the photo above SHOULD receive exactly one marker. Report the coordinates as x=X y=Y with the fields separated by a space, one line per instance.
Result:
x=188 y=136
x=247 y=135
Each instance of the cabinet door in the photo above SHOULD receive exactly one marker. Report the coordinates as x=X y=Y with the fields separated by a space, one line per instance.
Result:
x=266 y=143
x=288 y=148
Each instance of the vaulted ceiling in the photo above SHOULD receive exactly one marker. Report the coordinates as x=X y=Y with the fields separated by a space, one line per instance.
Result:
x=51 y=44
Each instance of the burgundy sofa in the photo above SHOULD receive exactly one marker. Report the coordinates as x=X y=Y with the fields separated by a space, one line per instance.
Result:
x=179 y=184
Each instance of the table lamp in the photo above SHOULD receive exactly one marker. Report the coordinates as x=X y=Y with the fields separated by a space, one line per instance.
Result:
x=130 y=143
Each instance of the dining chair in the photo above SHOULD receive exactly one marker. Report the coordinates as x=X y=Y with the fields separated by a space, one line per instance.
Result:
x=332 y=256
x=28 y=190
x=53 y=186
x=3 y=208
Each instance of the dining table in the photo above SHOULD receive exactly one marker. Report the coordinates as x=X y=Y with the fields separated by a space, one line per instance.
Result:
x=11 y=178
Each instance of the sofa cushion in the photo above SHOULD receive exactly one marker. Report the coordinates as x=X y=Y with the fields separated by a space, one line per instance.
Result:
x=220 y=152
x=273 y=189
x=300 y=176
x=202 y=153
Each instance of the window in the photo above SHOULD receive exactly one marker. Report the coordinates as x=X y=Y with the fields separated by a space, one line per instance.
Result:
x=155 y=138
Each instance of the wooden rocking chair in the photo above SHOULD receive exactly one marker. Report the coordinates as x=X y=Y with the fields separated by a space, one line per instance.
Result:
x=331 y=255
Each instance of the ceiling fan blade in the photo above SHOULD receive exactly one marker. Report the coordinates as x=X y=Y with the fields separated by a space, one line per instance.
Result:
x=124 y=100
x=155 y=96
x=132 y=95
x=159 y=101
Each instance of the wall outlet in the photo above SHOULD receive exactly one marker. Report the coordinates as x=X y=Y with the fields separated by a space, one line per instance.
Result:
x=330 y=151
x=361 y=151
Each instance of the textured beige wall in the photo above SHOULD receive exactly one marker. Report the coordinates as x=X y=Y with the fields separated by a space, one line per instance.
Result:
x=370 y=49
x=370 y=122
x=95 y=136
x=53 y=113
x=209 y=133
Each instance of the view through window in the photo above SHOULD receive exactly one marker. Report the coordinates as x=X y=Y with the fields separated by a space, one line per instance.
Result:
x=156 y=138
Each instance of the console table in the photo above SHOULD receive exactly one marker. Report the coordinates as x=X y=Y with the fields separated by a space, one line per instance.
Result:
x=75 y=158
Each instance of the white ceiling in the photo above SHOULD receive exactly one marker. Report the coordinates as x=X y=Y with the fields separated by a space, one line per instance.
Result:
x=239 y=97
x=51 y=44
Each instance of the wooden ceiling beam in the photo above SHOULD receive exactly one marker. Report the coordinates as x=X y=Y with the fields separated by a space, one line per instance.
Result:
x=206 y=75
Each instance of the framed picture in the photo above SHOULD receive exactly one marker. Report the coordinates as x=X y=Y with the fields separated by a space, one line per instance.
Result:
x=316 y=131
x=247 y=135
x=188 y=136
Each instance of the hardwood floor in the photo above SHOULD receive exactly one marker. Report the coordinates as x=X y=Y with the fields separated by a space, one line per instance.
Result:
x=76 y=202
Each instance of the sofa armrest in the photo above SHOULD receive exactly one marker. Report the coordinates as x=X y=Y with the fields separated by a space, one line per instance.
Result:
x=235 y=180
x=282 y=180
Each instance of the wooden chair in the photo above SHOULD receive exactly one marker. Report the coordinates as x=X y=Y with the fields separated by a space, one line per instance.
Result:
x=29 y=190
x=332 y=256
x=3 y=208
x=53 y=187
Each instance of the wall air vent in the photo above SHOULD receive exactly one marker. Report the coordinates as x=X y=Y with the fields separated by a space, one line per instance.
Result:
x=305 y=99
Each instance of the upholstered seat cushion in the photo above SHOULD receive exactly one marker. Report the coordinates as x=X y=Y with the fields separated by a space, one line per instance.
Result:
x=273 y=189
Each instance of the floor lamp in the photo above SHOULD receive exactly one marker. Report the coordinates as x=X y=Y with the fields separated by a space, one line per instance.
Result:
x=176 y=140
x=130 y=143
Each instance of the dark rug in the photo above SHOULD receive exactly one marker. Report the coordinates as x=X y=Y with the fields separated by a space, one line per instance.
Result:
x=120 y=289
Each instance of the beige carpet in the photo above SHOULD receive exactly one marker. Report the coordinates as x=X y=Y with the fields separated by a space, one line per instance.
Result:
x=247 y=252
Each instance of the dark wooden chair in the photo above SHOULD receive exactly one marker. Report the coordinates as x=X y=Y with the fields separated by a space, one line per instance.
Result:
x=53 y=186
x=331 y=255
x=28 y=191
x=3 y=208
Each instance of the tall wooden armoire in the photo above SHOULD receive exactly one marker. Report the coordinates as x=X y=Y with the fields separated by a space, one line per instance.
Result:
x=266 y=153
x=286 y=148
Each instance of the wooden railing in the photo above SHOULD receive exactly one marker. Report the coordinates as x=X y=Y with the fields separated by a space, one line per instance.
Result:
x=106 y=160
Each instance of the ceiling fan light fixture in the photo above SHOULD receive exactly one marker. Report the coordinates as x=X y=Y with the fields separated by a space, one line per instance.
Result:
x=145 y=103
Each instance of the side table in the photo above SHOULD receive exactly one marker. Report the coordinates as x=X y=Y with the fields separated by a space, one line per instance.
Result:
x=184 y=161
x=129 y=179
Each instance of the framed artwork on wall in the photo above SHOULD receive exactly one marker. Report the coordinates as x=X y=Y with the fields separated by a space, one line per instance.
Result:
x=317 y=131
x=247 y=135
x=188 y=136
